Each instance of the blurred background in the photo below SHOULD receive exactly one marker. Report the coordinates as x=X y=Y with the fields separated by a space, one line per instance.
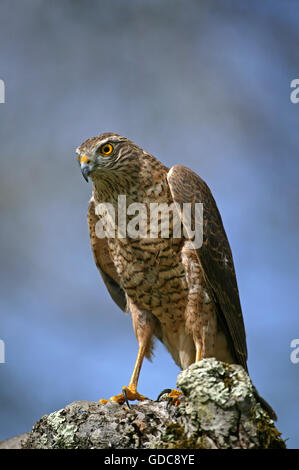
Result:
x=209 y=77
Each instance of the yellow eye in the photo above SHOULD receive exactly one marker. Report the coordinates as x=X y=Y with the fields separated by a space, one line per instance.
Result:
x=106 y=149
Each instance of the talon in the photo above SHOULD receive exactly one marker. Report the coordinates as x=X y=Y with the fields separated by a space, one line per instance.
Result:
x=120 y=399
x=166 y=390
x=126 y=397
x=103 y=401
x=128 y=393
x=173 y=397
x=169 y=400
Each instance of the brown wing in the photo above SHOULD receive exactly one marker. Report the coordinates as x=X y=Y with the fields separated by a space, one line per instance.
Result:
x=103 y=260
x=215 y=256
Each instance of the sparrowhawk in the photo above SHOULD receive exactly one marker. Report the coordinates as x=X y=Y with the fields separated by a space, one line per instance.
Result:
x=184 y=295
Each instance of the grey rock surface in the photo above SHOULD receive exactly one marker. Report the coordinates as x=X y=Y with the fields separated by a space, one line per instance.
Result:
x=219 y=409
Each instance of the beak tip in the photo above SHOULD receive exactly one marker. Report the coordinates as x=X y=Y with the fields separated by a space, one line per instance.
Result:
x=85 y=172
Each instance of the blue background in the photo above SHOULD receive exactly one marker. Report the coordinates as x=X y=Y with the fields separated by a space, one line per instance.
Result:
x=204 y=83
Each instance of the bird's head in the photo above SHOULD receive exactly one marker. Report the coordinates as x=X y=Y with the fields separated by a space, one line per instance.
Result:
x=106 y=153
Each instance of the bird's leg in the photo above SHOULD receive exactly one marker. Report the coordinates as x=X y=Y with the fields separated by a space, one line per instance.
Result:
x=198 y=353
x=143 y=323
x=130 y=392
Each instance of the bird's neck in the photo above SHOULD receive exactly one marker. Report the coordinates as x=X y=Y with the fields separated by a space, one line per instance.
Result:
x=136 y=182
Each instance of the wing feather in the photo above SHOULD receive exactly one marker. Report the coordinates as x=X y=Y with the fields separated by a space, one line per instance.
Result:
x=103 y=260
x=214 y=255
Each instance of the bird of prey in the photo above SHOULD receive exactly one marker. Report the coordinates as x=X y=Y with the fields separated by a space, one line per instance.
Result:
x=182 y=294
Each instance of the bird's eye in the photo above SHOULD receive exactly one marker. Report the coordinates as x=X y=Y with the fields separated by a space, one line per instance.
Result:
x=106 y=149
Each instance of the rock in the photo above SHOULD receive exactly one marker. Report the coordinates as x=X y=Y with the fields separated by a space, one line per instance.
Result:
x=219 y=409
x=14 y=442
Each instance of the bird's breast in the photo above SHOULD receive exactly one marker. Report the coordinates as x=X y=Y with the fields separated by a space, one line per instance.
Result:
x=152 y=275
x=149 y=265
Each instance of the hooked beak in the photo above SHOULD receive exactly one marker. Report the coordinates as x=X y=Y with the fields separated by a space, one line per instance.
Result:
x=85 y=167
x=85 y=170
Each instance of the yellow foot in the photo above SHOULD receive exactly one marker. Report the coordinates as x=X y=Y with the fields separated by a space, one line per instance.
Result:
x=128 y=393
x=173 y=396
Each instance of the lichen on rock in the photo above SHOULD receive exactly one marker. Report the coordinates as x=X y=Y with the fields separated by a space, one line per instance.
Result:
x=219 y=409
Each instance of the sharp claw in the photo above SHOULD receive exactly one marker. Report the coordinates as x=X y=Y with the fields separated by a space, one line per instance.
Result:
x=126 y=397
x=170 y=399
x=172 y=396
x=166 y=390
